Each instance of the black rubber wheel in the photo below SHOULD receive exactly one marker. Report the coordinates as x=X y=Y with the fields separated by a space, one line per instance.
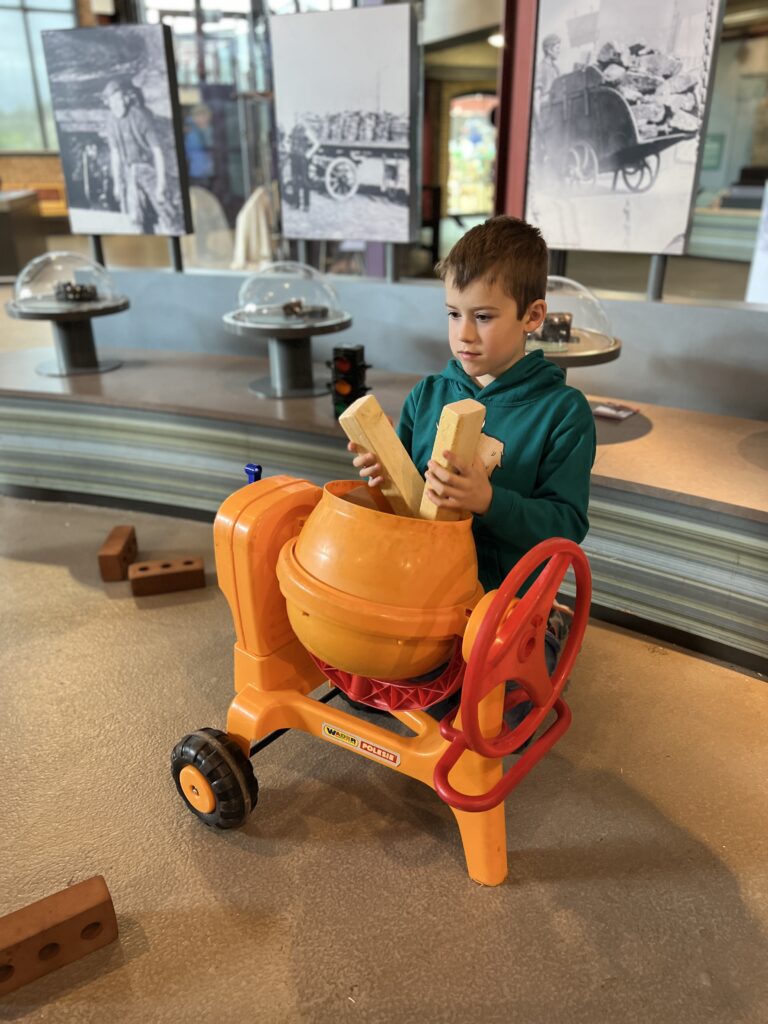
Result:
x=233 y=790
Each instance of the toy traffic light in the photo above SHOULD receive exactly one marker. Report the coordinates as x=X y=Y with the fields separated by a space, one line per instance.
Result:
x=348 y=368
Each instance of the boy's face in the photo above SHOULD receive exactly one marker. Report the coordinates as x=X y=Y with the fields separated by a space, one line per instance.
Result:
x=484 y=331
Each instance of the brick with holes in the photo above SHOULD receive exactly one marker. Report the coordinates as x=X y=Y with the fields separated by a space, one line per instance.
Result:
x=166 y=575
x=116 y=553
x=55 y=931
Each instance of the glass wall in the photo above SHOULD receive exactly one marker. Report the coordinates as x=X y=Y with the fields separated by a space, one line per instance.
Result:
x=225 y=89
x=472 y=155
x=26 y=119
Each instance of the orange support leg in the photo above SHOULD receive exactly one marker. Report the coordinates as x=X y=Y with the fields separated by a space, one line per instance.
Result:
x=483 y=833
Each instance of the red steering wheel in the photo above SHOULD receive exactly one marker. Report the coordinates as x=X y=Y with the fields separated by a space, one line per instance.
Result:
x=510 y=645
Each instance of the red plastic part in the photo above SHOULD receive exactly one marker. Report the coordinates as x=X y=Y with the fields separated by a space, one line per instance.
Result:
x=508 y=781
x=510 y=647
x=510 y=644
x=398 y=695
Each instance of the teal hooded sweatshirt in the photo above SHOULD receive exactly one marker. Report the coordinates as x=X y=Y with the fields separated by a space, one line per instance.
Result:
x=543 y=436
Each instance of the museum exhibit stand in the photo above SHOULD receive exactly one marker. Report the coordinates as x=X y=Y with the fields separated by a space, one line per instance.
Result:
x=286 y=304
x=68 y=290
x=679 y=507
x=576 y=330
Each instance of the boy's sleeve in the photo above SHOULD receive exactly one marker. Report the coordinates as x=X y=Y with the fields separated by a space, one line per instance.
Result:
x=559 y=502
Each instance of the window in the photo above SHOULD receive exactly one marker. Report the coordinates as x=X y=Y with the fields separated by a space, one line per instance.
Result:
x=26 y=118
x=471 y=155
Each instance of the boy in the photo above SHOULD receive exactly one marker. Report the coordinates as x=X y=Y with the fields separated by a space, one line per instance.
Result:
x=530 y=479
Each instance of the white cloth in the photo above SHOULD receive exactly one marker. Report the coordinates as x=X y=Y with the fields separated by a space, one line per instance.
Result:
x=253 y=232
x=213 y=239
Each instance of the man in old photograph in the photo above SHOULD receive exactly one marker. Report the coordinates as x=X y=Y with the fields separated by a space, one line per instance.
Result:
x=302 y=146
x=547 y=70
x=137 y=161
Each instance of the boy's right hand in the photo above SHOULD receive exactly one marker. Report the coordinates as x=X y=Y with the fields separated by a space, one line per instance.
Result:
x=367 y=465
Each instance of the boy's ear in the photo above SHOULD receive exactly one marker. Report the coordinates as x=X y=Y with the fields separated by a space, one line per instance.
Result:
x=534 y=315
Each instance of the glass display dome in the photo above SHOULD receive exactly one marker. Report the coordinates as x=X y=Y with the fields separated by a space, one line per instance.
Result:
x=286 y=295
x=61 y=282
x=574 y=315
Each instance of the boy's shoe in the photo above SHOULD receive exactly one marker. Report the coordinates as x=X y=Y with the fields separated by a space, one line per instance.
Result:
x=559 y=622
x=558 y=627
x=514 y=716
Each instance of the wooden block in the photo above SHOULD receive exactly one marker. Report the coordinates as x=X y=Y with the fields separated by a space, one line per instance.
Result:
x=366 y=424
x=458 y=431
x=55 y=931
x=166 y=576
x=116 y=553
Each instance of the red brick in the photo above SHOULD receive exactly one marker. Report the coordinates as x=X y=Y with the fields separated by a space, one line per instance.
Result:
x=116 y=554
x=166 y=576
x=55 y=931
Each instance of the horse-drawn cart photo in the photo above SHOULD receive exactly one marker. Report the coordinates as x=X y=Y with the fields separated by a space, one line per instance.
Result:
x=353 y=151
x=343 y=114
x=344 y=167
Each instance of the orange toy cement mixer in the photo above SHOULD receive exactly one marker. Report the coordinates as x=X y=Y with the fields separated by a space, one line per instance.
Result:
x=324 y=587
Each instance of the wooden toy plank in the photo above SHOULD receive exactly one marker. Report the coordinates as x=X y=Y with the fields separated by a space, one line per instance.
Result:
x=55 y=931
x=366 y=424
x=166 y=576
x=458 y=431
x=116 y=553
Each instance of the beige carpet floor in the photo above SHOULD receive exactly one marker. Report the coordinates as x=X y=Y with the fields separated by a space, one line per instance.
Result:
x=638 y=885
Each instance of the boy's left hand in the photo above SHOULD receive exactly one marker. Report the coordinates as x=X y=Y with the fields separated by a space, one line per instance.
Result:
x=462 y=487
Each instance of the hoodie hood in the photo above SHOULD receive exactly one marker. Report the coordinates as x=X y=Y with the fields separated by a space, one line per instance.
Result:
x=525 y=381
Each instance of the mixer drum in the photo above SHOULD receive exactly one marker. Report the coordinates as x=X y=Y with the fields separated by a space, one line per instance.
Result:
x=376 y=594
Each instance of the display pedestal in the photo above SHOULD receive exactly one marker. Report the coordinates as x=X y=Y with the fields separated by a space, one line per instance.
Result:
x=586 y=348
x=290 y=354
x=73 y=335
x=75 y=352
x=290 y=371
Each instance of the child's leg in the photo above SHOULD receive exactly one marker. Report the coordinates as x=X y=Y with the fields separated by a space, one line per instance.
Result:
x=558 y=626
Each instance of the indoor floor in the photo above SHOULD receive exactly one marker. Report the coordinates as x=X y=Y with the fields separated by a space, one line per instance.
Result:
x=638 y=882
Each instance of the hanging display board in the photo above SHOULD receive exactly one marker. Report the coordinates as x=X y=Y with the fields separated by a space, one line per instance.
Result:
x=345 y=100
x=757 y=288
x=619 y=106
x=115 y=104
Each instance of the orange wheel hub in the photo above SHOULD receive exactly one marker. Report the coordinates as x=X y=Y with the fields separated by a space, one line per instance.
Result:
x=197 y=789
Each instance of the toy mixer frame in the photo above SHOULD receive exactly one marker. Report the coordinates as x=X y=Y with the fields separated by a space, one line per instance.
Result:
x=461 y=757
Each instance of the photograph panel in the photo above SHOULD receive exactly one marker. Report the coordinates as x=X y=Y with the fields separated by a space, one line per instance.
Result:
x=113 y=92
x=619 y=101
x=346 y=166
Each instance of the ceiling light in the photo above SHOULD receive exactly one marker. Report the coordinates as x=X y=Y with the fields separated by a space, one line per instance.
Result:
x=497 y=39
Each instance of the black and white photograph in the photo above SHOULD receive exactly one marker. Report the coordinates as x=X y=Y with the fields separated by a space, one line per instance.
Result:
x=115 y=104
x=344 y=112
x=619 y=102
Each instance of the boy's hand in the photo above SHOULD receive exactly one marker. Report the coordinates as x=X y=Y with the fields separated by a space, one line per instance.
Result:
x=461 y=487
x=367 y=464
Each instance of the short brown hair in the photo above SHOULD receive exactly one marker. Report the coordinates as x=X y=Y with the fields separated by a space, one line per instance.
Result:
x=502 y=249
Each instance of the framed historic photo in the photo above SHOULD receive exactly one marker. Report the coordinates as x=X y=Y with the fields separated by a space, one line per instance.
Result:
x=115 y=104
x=346 y=86
x=618 y=115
